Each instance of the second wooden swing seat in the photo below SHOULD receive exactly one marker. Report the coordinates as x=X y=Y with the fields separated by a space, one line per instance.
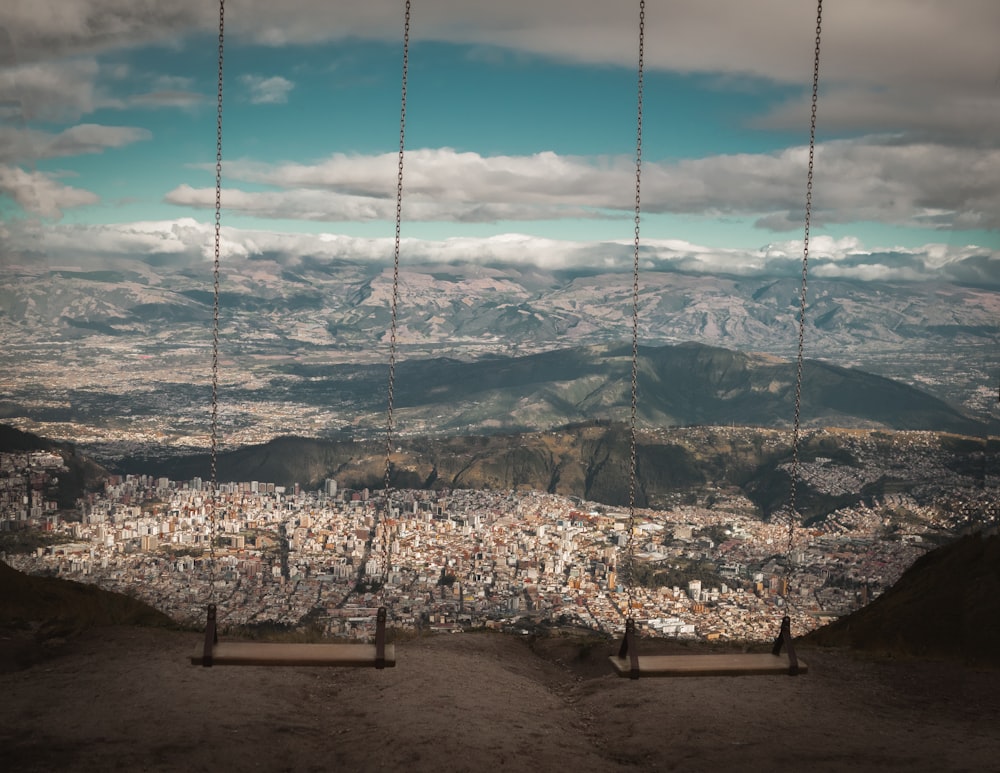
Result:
x=245 y=653
x=629 y=663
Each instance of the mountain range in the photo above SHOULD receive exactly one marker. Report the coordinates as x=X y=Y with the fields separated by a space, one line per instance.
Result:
x=118 y=358
x=940 y=336
x=343 y=303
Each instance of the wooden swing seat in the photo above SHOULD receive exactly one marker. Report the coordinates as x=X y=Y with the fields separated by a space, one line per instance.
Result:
x=247 y=653
x=734 y=664
x=242 y=653
x=630 y=663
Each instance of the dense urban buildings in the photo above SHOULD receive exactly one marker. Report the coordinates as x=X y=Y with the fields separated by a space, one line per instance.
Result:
x=454 y=559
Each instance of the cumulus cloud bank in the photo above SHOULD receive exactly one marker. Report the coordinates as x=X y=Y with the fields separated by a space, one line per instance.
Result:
x=914 y=84
x=877 y=81
x=187 y=241
x=878 y=180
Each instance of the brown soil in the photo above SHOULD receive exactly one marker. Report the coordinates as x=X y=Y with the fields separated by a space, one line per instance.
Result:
x=126 y=698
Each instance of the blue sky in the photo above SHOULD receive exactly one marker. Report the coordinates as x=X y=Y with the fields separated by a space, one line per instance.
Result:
x=520 y=132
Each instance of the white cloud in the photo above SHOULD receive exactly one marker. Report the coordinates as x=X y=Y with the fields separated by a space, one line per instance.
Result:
x=40 y=194
x=267 y=91
x=186 y=240
x=961 y=113
x=64 y=90
x=296 y=204
x=180 y=99
x=317 y=205
x=455 y=176
x=871 y=179
x=39 y=29
x=29 y=145
x=93 y=138
x=55 y=91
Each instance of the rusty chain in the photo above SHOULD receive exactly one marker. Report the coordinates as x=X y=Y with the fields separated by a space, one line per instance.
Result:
x=796 y=430
x=630 y=551
x=215 y=299
x=393 y=321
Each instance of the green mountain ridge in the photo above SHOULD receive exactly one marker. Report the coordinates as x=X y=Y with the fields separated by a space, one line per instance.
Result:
x=591 y=461
x=677 y=385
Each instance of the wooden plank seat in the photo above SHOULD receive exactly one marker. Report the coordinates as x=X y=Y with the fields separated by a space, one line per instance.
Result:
x=244 y=653
x=630 y=663
x=250 y=653
x=729 y=664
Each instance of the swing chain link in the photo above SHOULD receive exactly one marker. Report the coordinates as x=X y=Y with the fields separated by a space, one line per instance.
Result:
x=630 y=542
x=214 y=473
x=796 y=431
x=394 y=303
x=393 y=321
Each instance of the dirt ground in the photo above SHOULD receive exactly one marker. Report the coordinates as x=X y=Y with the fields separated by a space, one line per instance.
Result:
x=128 y=699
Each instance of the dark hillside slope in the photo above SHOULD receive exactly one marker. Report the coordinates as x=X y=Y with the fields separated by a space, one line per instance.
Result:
x=81 y=474
x=946 y=605
x=72 y=605
x=13 y=439
x=39 y=615
x=284 y=460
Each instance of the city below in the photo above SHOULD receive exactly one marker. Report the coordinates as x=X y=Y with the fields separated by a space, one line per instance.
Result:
x=460 y=559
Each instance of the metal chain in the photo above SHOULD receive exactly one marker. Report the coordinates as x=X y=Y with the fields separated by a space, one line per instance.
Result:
x=215 y=297
x=630 y=558
x=390 y=419
x=792 y=503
